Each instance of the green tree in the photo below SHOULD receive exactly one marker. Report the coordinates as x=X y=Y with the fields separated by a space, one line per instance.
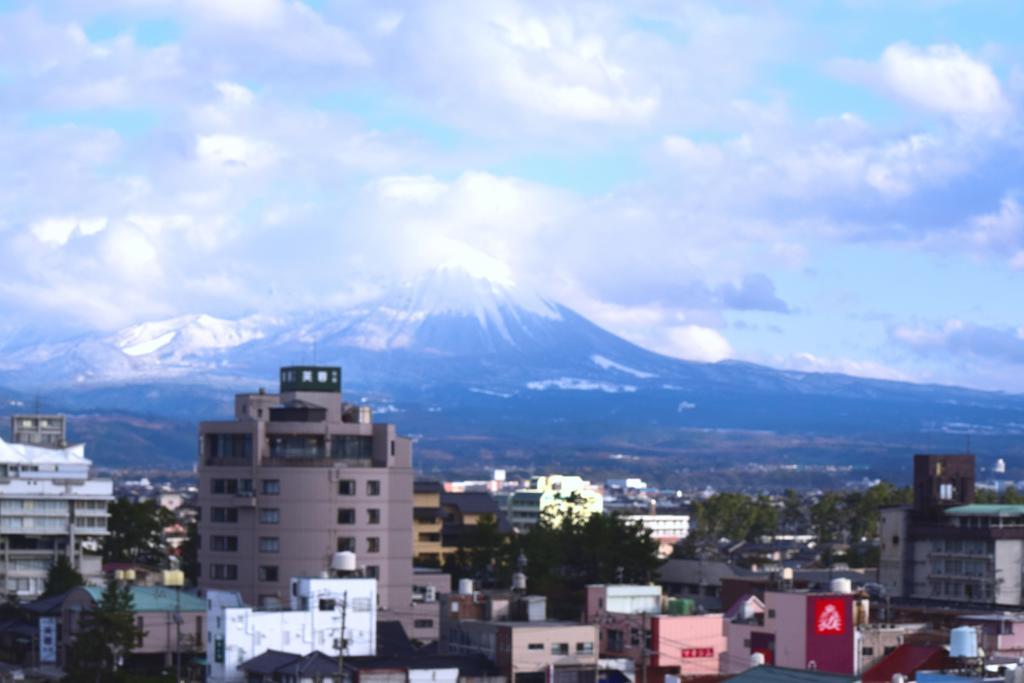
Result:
x=61 y=577
x=563 y=559
x=484 y=554
x=829 y=517
x=794 y=517
x=106 y=635
x=136 y=532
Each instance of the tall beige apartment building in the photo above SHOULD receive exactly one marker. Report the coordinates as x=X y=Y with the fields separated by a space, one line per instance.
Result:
x=296 y=477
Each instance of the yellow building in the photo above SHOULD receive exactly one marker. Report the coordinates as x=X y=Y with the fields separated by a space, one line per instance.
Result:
x=553 y=496
x=427 y=523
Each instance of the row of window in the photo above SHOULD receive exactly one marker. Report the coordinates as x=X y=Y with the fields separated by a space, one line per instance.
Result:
x=585 y=648
x=272 y=544
x=273 y=515
x=272 y=487
x=267 y=573
x=344 y=447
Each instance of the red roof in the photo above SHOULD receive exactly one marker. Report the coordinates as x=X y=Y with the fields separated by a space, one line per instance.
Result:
x=907 y=660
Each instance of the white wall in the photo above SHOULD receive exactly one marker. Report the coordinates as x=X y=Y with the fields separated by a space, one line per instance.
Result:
x=1009 y=560
x=247 y=633
x=433 y=675
x=632 y=599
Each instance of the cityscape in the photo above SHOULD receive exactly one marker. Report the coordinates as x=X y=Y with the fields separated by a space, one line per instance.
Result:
x=509 y=341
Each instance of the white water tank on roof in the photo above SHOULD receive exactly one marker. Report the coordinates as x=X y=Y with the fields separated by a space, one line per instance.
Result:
x=757 y=659
x=841 y=586
x=465 y=586
x=1000 y=467
x=345 y=561
x=963 y=642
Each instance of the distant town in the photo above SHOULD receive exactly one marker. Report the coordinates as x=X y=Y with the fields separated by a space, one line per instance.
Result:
x=306 y=547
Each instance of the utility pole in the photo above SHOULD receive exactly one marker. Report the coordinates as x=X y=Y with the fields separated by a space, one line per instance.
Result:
x=341 y=638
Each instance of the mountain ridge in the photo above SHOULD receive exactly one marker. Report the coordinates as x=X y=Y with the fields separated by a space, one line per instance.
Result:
x=458 y=359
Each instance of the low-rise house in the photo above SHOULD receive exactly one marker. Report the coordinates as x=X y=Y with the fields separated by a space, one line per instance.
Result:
x=632 y=626
x=173 y=623
x=284 y=667
x=512 y=630
x=700 y=580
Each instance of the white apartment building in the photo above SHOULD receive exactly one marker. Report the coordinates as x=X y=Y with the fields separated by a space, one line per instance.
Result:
x=238 y=633
x=49 y=507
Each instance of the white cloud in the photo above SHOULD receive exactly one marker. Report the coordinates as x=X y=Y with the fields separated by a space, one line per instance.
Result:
x=938 y=78
x=694 y=342
x=234 y=151
x=57 y=231
x=235 y=94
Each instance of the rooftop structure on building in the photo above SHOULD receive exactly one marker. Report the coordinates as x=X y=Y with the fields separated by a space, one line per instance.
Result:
x=49 y=507
x=39 y=430
x=298 y=476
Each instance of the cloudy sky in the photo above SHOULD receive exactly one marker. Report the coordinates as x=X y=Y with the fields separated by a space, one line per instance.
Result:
x=814 y=184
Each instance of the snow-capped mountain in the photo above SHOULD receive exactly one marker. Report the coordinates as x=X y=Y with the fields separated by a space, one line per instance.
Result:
x=463 y=356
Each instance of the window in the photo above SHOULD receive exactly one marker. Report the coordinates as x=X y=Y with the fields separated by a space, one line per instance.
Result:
x=229 y=446
x=245 y=487
x=270 y=516
x=346 y=516
x=585 y=648
x=535 y=646
x=423 y=623
x=223 y=544
x=346 y=487
x=225 y=515
x=867 y=651
x=227 y=572
x=225 y=486
x=297 y=446
x=771 y=614
x=373 y=516
x=271 y=487
x=392 y=448
x=346 y=543
x=267 y=573
x=373 y=545
x=373 y=572
x=373 y=488
x=357 y=449
x=269 y=544
x=889 y=649
x=327 y=605
x=559 y=648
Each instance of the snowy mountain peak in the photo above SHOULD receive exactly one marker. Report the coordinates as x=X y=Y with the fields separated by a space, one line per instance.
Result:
x=187 y=334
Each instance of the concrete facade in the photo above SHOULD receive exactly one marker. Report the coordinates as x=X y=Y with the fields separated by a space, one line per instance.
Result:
x=296 y=477
x=947 y=548
x=49 y=506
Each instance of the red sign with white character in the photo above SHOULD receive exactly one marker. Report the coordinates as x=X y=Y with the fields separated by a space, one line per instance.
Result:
x=695 y=652
x=830 y=617
x=830 y=633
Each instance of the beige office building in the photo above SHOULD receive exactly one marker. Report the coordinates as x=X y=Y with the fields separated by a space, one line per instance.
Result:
x=296 y=477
